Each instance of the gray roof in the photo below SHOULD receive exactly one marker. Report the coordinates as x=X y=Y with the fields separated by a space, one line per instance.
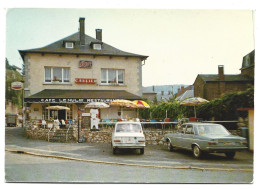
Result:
x=186 y=94
x=215 y=77
x=58 y=48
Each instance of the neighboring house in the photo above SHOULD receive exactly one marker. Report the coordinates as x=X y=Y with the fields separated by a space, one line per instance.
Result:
x=164 y=92
x=184 y=93
x=210 y=86
x=149 y=94
x=79 y=69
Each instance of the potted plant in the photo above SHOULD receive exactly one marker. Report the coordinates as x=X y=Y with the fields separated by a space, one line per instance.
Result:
x=56 y=80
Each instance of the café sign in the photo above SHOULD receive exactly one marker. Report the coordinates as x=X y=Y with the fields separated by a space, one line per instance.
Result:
x=17 y=85
x=85 y=64
x=66 y=100
x=85 y=81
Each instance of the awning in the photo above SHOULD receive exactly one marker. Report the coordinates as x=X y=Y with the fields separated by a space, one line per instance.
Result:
x=79 y=96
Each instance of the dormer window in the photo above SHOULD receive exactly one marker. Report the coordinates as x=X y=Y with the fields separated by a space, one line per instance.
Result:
x=69 y=45
x=97 y=46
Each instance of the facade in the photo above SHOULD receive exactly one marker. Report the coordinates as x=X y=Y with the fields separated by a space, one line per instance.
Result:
x=77 y=70
x=210 y=86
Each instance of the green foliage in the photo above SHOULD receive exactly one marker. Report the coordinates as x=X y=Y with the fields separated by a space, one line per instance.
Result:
x=11 y=76
x=224 y=108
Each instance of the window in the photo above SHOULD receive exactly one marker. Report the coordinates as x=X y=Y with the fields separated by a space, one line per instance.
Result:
x=97 y=46
x=189 y=130
x=69 y=45
x=44 y=112
x=69 y=112
x=111 y=76
x=57 y=75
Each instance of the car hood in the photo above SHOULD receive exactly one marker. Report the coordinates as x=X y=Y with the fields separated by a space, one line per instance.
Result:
x=129 y=134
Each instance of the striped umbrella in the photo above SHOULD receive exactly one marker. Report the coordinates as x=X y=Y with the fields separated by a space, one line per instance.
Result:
x=141 y=104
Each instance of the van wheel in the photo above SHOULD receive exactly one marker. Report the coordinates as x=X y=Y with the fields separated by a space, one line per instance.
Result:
x=170 y=147
x=197 y=153
x=142 y=151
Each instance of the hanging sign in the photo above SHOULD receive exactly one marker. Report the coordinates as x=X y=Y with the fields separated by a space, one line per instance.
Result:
x=17 y=85
x=85 y=64
x=85 y=81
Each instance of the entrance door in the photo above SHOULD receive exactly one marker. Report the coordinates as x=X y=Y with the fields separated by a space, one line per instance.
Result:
x=62 y=114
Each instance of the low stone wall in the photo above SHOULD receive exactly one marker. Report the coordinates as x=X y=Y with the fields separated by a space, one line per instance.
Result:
x=153 y=137
x=38 y=134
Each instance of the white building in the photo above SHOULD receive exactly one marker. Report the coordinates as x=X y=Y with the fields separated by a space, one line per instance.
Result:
x=79 y=69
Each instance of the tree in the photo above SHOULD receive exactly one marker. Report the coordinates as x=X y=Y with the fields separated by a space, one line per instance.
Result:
x=11 y=76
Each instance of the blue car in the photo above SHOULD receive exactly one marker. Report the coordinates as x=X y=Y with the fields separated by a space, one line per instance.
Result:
x=205 y=138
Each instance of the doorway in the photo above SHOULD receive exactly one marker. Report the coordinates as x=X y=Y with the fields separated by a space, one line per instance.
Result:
x=62 y=114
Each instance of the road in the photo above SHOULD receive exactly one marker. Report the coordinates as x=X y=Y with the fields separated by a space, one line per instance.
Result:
x=157 y=165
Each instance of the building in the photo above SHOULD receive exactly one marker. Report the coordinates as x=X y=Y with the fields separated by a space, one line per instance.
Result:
x=163 y=92
x=184 y=93
x=210 y=86
x=149 y=94
x=77 y=70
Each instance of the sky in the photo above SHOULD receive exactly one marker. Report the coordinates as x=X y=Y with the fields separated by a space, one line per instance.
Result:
x=180 y=43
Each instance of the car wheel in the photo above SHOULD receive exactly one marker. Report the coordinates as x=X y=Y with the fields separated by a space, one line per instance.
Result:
x=169 y=146
x=230 y=155
x=141 y=151
x=114 y=151
x=197 y=153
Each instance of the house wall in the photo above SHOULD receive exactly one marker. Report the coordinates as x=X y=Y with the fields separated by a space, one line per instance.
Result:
x=251 y=129
x=211 y=90
x=35 y=63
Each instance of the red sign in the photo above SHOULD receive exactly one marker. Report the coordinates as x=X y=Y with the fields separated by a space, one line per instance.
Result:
x=85 y=81
x=85 y=64
x=17 y=85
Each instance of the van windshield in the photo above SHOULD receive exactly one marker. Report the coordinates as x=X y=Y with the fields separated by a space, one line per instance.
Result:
x=129 y=127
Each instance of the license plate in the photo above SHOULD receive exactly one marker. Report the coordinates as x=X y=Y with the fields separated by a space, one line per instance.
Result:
x=128 y=140
x=229 y=143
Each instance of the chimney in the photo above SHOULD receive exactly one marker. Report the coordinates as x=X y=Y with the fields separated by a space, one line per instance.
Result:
x=221 y=75
x=99 y=34
x=82 y=31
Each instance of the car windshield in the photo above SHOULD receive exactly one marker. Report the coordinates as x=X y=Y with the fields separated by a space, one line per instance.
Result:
x=212 y=130
x=128 y=127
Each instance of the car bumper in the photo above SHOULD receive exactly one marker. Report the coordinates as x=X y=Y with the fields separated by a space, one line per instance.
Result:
x=220 y=149
x=133 y=146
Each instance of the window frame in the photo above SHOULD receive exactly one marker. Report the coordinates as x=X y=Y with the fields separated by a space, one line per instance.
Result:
x=107 y=78
x=62 y=75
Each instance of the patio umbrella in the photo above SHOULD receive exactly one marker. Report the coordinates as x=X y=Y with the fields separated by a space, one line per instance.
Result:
x=98 y=105
x=194 y=101
x=123 y=103
x=58 y=108
x=140 y=104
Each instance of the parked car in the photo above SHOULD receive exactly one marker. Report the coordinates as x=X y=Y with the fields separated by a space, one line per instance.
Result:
x=11 y=119
x=128 y=135
x=205 y=138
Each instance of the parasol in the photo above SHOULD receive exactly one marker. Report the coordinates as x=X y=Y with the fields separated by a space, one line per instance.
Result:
x=194 y=101
x=97 y=105
x=123 y=103
x=58 y=108
x=141 y=104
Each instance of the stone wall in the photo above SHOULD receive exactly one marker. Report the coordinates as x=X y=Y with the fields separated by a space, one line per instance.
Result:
x=104 y=136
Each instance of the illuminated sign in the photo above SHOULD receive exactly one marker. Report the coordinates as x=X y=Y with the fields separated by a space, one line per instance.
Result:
x=17 y=85
x=85 y=64
x=85 y=81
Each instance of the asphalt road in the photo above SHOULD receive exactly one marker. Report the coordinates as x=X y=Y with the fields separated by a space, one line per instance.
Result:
x=164 y=166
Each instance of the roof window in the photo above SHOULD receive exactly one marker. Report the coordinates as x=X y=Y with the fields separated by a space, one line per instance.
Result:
x=97 y=46
x=69 y=45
